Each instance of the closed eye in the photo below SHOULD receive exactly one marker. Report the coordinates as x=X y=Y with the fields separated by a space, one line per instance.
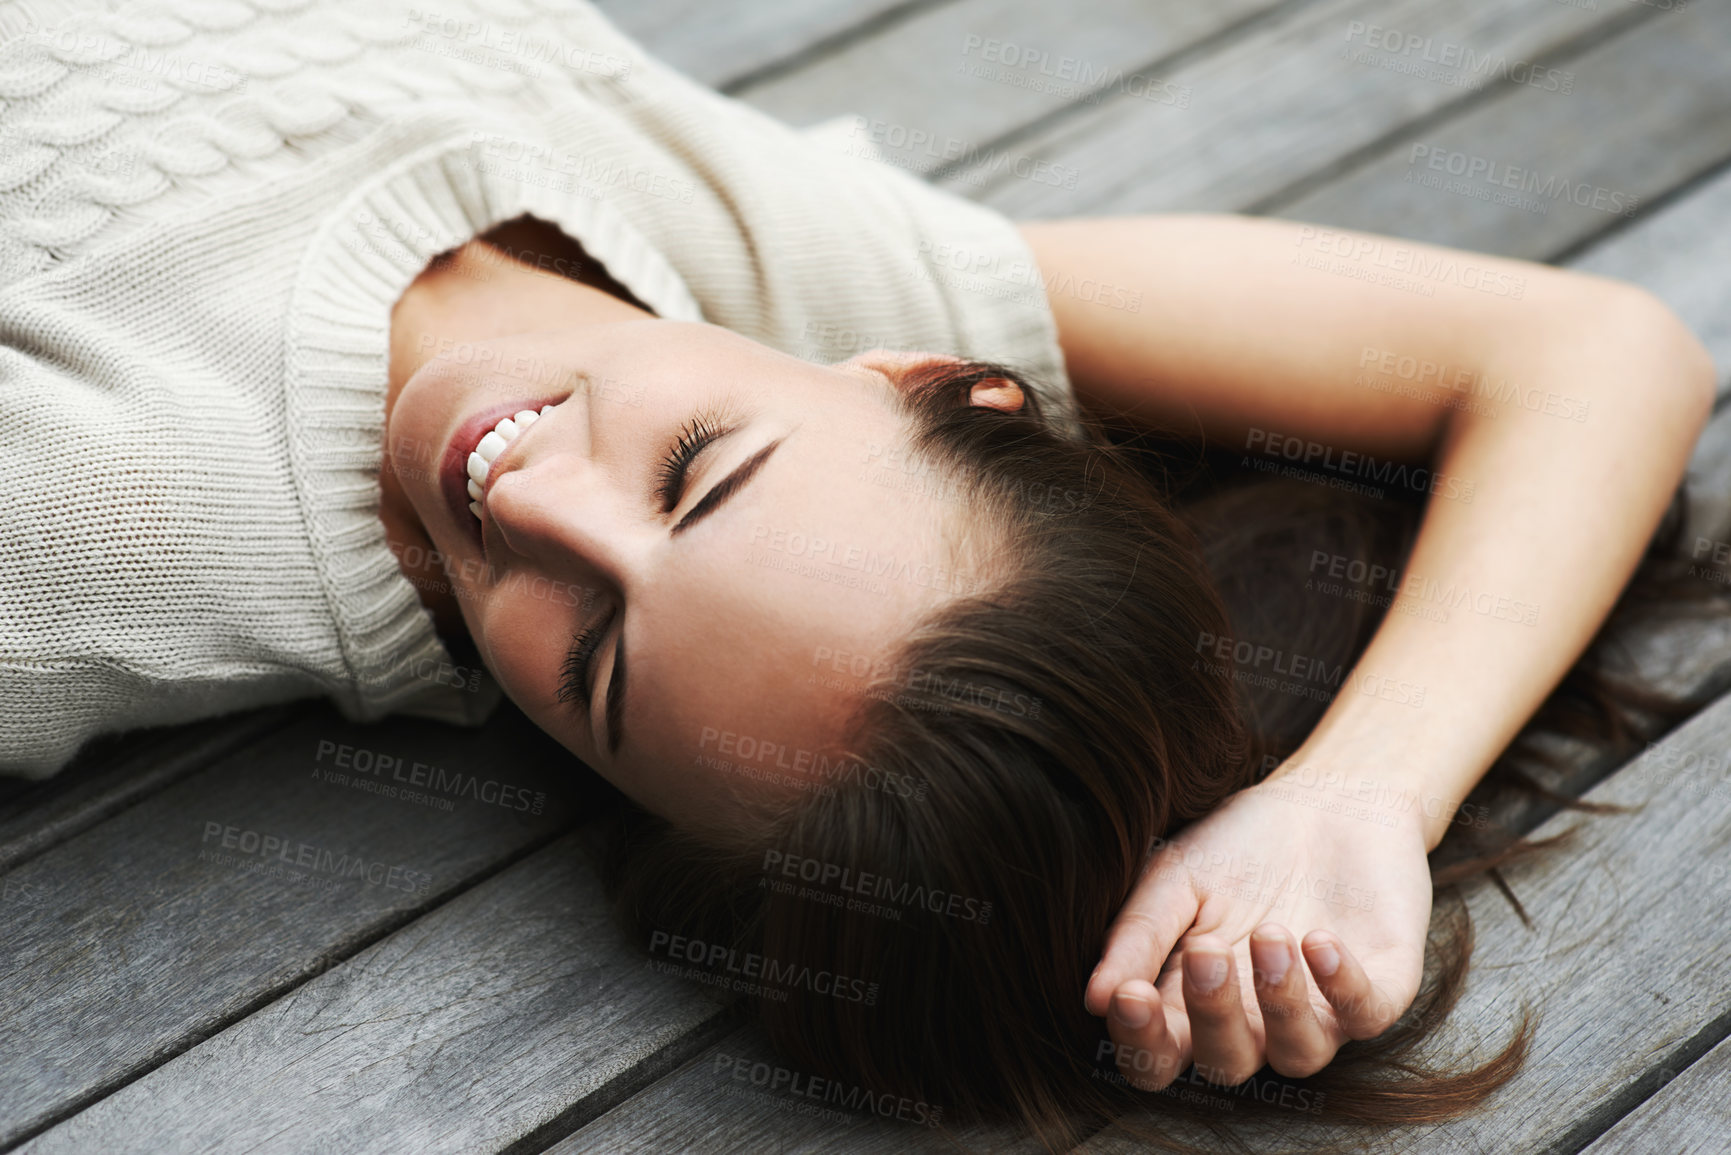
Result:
x=699 y=433
x=575 y=674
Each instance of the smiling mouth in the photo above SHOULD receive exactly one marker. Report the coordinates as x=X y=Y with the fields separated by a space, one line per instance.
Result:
x=487 y=450
x=468 y=458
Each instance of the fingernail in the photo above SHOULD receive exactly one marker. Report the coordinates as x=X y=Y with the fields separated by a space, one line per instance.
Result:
x=1206 y=969
x=1324 y=960
x=1133 y=1013
x=1270 y=958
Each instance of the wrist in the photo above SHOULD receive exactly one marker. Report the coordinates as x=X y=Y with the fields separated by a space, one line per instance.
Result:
x=1373 y=794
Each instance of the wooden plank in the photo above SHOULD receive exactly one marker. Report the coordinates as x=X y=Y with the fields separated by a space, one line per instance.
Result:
x=740 y=1096
x=948 y=82
x=1651 y=110
x=131 y=941
x=720 y=44
x=510 y=1013
x=1691 y=1114
x=1627 y=963
x=1282 y=105
x=116 y=771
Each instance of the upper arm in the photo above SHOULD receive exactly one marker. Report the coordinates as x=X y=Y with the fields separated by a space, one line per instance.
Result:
x=1221 y=324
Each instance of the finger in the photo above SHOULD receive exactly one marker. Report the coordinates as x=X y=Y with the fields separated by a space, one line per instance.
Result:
x=1145 y=1049
x=1296 y=1041
x=1362 y=1011
x=1221 y=1044
x=1161 y=908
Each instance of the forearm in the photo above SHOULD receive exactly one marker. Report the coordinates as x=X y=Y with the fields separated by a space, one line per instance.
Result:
x=1242 y=337
x=1503 y=592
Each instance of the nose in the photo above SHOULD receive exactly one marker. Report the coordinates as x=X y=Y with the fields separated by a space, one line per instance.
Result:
x=565 y=512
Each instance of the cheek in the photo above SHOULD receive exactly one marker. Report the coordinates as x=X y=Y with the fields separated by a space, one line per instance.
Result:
x=523 y=641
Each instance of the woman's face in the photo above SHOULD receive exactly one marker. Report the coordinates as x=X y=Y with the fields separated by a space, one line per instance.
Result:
x=732 y=536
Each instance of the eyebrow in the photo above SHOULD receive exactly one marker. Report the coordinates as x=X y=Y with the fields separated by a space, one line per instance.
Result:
x=726 y=487
x=718 y=495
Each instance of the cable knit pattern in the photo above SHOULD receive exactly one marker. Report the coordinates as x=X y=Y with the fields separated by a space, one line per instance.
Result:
x=207 y=211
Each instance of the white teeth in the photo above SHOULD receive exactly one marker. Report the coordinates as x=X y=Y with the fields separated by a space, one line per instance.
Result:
x=545 y=409
x=491 y=446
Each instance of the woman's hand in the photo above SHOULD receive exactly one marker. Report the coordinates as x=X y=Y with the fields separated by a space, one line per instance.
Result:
x=1280 y=864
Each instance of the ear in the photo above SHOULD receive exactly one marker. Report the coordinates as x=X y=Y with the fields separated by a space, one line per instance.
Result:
x=993 y=393
x=996 y=393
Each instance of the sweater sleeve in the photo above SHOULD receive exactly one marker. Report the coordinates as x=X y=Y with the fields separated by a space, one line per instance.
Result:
x=144 y=582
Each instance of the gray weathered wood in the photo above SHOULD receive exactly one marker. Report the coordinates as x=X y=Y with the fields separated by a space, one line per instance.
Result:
x=510 y=1010
x=924 y=110
x=1651 y=109
x=116 y=773
x=1278 y=107
x=1628 y=962
x=721 y=43
x=1691 y=1114
x=126 y=943
x=739 y=1097
x=511 y=1014
x=1682 y=254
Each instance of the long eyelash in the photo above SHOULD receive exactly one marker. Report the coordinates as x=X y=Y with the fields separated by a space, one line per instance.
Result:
x=698 y=432
x=574 y=670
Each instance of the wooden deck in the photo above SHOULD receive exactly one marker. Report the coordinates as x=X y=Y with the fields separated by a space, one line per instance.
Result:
x=158 y=993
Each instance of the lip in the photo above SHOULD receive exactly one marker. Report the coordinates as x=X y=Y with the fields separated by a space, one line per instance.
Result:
x=454 y=469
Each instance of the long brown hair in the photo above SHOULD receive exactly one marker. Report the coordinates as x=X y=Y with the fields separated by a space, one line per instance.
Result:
x=1057 y=722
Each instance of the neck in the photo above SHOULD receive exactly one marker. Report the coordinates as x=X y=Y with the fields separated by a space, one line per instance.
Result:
x=519 y=278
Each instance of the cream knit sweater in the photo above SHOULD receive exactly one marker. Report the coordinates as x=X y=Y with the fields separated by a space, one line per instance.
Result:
x=207 y=210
